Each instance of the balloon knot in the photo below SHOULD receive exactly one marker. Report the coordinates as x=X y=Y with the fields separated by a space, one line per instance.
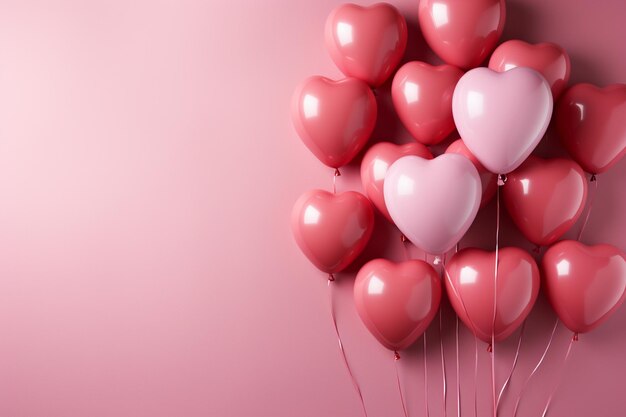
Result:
x=575 y=337
x=502 y=179
x=489 y=348
x=437 y=260
x=537 y=249
x=396 y=355
x=374 y=92
x=593 y=178
x=403 y=238
x=337 y=173
x=331 y=277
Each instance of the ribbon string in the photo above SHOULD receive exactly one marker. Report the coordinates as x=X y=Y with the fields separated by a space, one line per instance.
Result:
x=492 y=347
x=425 y=379
x=444 y=378
x=335 y=175
x=458 y=374
x=357 y=388
x=517 y=351
x=591 y=199
x=396 y=358
x=560 y=378
x=534 y=371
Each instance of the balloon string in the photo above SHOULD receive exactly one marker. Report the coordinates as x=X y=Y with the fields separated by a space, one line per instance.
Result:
x=560 y=378
x=335 y=175
x=458 y=374
x=458 y=296
x=492 y=347
x=592 y=197
x=443 y=363
x=517 y=351
x=396 y=358
x=404 y=241
x=534 y=371
x=331 y=279
x=426 y=379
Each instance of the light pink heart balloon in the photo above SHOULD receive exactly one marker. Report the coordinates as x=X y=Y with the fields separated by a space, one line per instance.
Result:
x=501 y=117
x=433 y=202
x=366 y=42
x=397 y=302
x=332 y=229
x=334 y=119
x=377 y=161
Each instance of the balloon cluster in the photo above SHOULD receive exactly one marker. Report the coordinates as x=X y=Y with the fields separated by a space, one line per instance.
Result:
x=501 y=113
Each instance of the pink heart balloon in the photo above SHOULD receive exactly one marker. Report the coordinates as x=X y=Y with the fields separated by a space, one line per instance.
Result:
x=502 y=116
x=332 y=229
x=377 y=161
x=433 y=202
x=591 y=122
x=334 y=119
x=470 y=286
x=545 y=197
x=549 y=59
x=397 y=302
x=585 y=284
x=422 y=97
x=366 y=42
x=462 y=32
x=488 y=180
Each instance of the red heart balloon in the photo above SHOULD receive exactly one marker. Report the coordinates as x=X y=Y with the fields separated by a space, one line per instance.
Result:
x=462 y=32
x=548 y=59
x=334 y=119
x=366 y=42
x=470 y=286
x=422 y=97
x=397 y=302
x=591 y=122
x=332 y=229
x=377 y=161
x=585 y=284
x=545 y=197
x=489 y=180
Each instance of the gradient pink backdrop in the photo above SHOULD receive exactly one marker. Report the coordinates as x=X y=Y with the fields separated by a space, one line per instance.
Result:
x=147 y=170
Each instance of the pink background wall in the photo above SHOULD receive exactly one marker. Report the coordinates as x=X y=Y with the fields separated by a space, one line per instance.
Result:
x=147 y=171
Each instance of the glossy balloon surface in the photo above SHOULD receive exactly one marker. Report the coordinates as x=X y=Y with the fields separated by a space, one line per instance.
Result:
x=377 y=161
x=591 y=122
x=397 y=302
x=502 y=116
x=584 y=284
x=470 y=287
x=422 y=97
x=462 y=32
x=366 y=42
x=433 y=202
x=332 y=229
x=488 y=180
x=545 y=197
x=549 y=59
x=334 y=119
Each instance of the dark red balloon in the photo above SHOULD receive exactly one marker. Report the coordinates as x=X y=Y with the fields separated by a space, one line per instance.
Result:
x=397 y=302
x=332 y=229
x=545 y=197
x=585 y=284
x=591 y=122
x=470 y=287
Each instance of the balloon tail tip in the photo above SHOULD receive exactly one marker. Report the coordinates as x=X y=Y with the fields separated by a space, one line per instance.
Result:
x=501 y=180
x=396 y=355
x=337 y=172
x=403 y=238
x=575 y=337
x=331 y=277
x=490 y=348
x=593 y=178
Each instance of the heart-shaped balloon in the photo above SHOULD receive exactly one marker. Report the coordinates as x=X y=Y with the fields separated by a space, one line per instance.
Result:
x=332 y=229
x=377 y=161
x=488 y=180
x=545 y=197
x=397 y=302
x=422 y=97
x=502 y=116
x=334 y=119
x=591 y=122
x=462 y=32
x=585 y=284
x=433 y=202
x=549 y=59
x=470 y=280
x=366 y=42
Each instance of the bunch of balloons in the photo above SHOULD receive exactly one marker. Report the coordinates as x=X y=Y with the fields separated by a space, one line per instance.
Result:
x=501 y=113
